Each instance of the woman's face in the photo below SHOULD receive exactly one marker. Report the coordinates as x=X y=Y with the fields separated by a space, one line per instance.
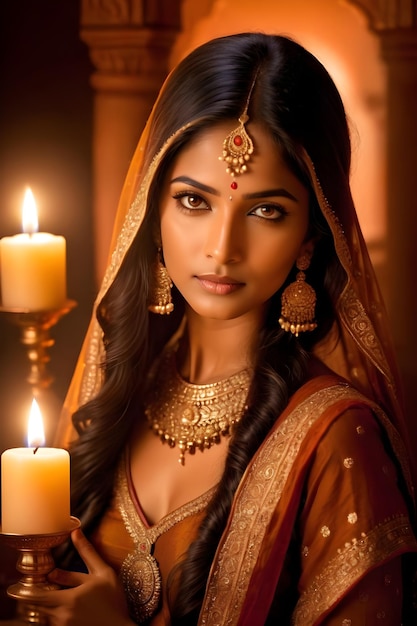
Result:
x=229 y=243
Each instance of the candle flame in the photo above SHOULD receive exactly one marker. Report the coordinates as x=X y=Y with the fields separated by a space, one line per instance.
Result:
x=29 y=213
x=36 y=435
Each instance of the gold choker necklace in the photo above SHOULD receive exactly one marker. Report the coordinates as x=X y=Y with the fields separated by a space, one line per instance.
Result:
x=194 y=416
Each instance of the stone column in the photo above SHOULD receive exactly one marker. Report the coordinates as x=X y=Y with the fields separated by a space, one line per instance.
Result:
x=129 y=43
x=395 y=22
x=399 y=48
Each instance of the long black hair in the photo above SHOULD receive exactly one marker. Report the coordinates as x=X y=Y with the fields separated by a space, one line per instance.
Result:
x=295 y=99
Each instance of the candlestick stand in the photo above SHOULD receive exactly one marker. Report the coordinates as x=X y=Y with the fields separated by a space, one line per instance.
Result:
x=35 y=562
x=35 y=327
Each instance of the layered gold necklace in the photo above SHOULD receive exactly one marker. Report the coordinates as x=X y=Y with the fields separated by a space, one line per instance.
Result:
x=194 y=417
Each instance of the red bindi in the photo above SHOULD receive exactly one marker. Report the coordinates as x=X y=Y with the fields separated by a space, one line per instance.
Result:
x=233 y=185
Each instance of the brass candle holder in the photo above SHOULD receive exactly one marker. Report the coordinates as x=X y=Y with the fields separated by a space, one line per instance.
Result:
x=35 y=562
x=35 y=336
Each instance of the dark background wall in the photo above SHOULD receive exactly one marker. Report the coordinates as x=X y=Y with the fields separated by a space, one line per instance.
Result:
x=45 y=143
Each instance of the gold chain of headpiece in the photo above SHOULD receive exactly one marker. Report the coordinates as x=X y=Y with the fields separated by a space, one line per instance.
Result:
x=238 y=146
x=194 y=417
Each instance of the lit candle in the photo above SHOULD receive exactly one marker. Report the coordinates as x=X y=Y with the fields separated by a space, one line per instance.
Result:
x=33 y=265
x=35 y=485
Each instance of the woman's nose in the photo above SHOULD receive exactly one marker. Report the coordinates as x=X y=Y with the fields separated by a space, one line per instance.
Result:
x=224 y=239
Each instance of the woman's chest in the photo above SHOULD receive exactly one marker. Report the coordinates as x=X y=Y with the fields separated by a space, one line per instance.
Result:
x=161 y=483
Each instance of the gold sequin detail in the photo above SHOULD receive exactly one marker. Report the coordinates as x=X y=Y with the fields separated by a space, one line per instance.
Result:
x=348 y=462
x=347 y=622
x=352 y=518
x=360 y=430
x=306 y=550
x=325 y=531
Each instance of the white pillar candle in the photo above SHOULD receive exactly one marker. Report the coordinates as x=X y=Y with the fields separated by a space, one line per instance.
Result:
x=35 y=486
x=33 y=265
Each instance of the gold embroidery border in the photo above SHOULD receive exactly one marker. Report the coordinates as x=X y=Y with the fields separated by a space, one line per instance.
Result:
x=92 y=372
x=255 y=501
x=352 y=561
x=350 y=307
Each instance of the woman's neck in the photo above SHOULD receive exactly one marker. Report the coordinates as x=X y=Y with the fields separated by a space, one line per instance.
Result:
x=211 y=350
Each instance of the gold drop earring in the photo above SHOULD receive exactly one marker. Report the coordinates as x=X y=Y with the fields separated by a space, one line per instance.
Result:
x=298 y=302
x=160 y=296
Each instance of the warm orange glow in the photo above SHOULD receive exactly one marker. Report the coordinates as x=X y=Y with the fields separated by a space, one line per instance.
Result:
x=29 y=213
x=36 y=434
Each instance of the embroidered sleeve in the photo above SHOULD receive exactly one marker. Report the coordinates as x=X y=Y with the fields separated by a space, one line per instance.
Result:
x=354 y=520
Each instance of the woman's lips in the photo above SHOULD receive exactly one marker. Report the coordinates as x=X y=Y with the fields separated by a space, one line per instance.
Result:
x=219 y=285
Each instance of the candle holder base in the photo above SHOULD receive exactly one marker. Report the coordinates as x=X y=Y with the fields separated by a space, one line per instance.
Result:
x=35 y=562
x=35 y=336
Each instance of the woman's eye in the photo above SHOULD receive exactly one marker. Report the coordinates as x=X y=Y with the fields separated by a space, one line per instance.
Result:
x=191 y=201
x=269 y=212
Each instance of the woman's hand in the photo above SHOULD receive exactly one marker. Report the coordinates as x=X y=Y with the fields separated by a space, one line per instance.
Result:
x=93 y=599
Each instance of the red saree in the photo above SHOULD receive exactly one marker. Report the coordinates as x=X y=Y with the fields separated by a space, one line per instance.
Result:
x=281 y=489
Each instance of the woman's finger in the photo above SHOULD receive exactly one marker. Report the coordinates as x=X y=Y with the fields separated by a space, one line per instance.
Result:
x=63 y=578
x=52 y=598
x=85 y=549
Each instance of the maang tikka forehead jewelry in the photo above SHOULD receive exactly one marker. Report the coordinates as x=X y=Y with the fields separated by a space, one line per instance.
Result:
x=238 y=146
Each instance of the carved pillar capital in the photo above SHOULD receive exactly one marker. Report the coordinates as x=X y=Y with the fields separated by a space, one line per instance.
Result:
x=386 y=15
x=129 y=42
x=395 y=21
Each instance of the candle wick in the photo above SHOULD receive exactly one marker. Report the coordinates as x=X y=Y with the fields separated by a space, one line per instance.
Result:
x=35 y=450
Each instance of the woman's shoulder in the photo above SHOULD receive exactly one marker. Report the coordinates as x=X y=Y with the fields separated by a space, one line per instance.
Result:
x=327 y=388
x=324 y=392
x=327 y=407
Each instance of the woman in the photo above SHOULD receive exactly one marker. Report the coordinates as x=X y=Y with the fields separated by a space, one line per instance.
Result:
x=240 y=322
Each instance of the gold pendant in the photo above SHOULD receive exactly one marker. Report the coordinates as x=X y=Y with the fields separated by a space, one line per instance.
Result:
x=142 y=582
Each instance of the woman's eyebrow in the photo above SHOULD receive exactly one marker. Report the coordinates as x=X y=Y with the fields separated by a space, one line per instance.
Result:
x=269 y=193
x=196 y=184
x=280 y=191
